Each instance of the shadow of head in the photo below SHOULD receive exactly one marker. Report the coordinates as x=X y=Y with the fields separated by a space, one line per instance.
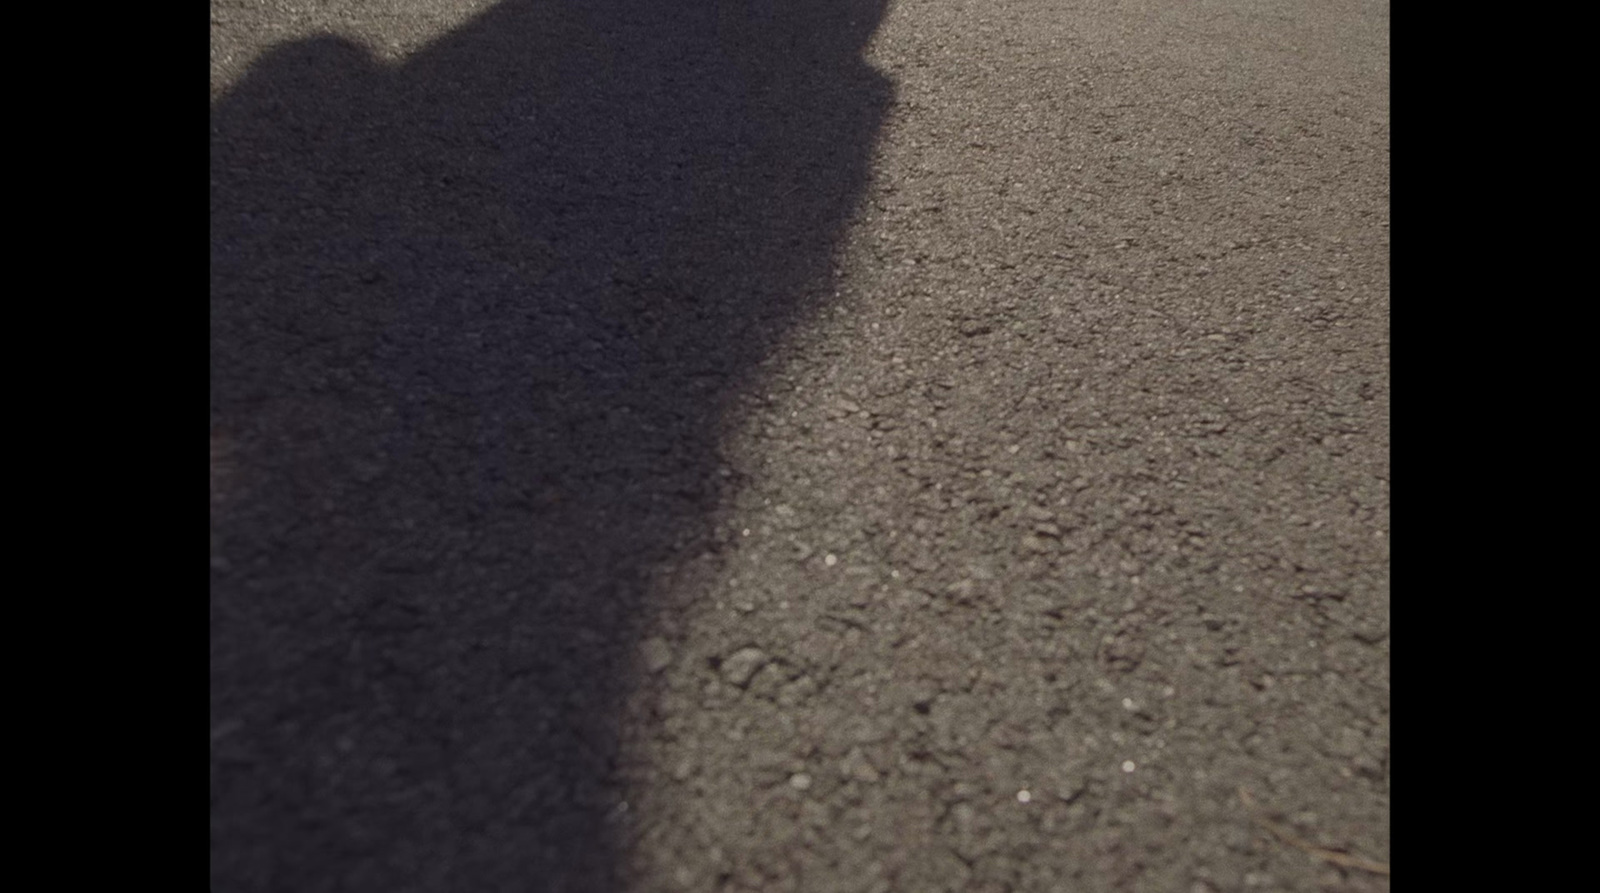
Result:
x=478 y=319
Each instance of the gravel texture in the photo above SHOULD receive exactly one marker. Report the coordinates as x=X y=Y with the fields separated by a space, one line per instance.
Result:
x=815 y=446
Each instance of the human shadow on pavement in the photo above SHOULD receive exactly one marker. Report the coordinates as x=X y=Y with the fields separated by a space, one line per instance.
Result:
x=477 y=319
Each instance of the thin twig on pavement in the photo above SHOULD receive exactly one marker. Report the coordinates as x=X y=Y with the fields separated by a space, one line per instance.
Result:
x=1337 y=858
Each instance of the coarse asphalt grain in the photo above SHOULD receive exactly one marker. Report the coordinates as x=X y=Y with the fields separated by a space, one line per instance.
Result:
x=841 y=445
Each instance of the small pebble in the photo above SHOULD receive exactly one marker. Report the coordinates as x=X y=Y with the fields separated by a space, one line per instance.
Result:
x=738 y=667
x=657 y=654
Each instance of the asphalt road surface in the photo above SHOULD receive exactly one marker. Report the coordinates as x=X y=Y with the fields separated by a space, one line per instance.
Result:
x=847 y=445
